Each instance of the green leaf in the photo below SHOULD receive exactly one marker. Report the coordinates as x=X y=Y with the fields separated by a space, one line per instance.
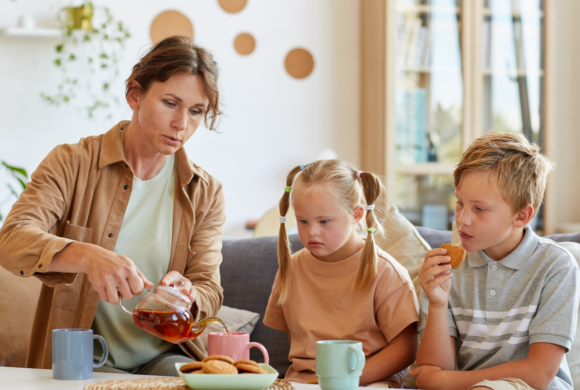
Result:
x=1 y=219
x=12 y=190
x=58 y=62
x=13 y=169
x=105 y=86
x=87 y=38
x=72 y=57
x=103 y=66
x=22 y=183
x=104 y=55
x=90 y=60
x=59 y=48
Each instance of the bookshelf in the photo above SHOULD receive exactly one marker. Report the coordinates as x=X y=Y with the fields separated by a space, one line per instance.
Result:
x=448 y=72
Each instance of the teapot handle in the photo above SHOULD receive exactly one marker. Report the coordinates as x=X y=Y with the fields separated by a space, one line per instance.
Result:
x=121 y=302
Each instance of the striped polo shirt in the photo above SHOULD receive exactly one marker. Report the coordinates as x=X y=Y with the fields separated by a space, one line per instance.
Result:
x=498 y=308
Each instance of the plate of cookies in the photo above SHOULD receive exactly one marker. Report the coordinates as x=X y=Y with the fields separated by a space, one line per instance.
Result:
x=222 y=372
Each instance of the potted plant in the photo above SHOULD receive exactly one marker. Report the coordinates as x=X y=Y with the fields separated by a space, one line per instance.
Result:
x=88 y=56
x=20 y=175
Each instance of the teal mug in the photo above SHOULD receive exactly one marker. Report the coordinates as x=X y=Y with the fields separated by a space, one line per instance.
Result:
x=339 y=364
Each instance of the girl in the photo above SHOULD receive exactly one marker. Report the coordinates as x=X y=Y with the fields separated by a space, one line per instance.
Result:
x=341 y=286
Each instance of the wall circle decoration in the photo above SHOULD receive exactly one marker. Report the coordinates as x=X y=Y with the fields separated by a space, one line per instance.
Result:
x=170 y=23
x=244 y=44
x=299 y=63
x=232 y=6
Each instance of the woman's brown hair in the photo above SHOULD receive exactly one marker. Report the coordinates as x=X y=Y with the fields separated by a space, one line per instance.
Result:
x=178 y=54
x=349 y=191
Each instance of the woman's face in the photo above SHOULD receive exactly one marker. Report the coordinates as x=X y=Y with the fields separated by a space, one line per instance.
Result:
x=170 y=112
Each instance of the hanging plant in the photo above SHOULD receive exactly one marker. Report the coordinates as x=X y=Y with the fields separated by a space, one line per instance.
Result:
x=88 y=56
x=20 y=175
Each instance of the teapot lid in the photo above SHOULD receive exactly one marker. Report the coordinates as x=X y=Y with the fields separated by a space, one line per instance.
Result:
x=172 y=296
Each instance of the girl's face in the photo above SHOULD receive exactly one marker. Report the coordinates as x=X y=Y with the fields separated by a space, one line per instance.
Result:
x=170 y=112
x=324 y=228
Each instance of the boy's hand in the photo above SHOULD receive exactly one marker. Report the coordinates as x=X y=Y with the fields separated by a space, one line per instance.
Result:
x=428 y=377
x=435 y=277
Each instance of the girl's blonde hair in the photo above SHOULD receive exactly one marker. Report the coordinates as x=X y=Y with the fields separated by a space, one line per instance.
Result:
x=349 y=192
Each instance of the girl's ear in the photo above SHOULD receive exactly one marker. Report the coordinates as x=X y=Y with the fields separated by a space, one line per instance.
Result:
x=133 y=94
x=359 y=213
x=524 y=216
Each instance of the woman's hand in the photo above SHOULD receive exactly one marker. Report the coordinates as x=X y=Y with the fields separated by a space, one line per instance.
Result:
x=173 y=277
x=112 y=275
x=435 y=277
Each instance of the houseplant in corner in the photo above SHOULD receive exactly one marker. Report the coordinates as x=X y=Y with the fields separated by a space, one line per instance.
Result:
x=20 y=175
x=88 y=57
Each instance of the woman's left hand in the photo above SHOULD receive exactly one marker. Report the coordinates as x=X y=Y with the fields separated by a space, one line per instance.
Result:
x=173 y=277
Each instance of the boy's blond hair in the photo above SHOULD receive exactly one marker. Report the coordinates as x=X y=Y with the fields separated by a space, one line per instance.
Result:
x=517 y=167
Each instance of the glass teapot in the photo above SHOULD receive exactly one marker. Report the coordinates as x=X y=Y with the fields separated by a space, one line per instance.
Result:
x=165 y=314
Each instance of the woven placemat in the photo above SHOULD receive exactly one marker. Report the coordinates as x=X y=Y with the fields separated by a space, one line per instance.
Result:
x=163 y=383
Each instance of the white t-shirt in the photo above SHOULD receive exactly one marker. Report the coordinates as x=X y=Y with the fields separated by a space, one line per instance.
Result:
x=145 y=238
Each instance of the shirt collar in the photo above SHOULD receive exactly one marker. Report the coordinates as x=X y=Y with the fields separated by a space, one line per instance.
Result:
x=515 y=260
x=112 y=152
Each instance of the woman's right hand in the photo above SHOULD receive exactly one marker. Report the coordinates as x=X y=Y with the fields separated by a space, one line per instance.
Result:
x=435 y=277
x=112 y=275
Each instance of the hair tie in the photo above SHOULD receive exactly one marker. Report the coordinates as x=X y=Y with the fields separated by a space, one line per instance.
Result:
x=358 y=174
x=371 y=230
x=370 y=207
x=288 y=189
x=302 y=166
x=283 y=219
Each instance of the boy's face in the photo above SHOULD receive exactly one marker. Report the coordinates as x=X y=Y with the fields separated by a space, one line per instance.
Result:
x=485 y=221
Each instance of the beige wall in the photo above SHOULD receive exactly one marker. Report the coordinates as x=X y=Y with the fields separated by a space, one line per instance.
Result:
x=565 y=96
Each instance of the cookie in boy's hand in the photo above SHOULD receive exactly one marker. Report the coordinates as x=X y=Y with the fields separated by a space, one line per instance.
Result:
x=456 y=253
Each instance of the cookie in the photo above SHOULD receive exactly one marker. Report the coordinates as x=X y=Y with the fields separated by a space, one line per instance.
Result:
x=189 y=367
x=219 y=367
x=250 y=368
x=246 y=362
x=197 y=372
x=219 y=357
x=457 y=254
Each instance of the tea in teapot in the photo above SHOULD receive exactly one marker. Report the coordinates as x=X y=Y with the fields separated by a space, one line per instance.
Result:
x=166 y=314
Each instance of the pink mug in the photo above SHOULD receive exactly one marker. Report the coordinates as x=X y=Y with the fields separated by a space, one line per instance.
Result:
x=237 y=345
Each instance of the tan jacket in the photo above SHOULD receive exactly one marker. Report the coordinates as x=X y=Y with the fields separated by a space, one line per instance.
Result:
x=80 y=193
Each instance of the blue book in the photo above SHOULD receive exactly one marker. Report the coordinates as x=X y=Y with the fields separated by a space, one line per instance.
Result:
x=412 y=140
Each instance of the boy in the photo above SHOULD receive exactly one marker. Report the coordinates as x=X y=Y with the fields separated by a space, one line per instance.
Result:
x=511 y=307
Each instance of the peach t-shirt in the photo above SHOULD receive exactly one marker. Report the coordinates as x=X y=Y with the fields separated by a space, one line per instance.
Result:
x=321 y=307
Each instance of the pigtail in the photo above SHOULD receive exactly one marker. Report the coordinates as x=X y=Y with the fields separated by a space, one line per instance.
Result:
x=367 y=269
x=284 y=257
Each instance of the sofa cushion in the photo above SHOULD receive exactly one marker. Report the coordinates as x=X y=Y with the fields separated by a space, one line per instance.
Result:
x=403 y=241
x=247 y=272
x=17 y=313
x=573 y=356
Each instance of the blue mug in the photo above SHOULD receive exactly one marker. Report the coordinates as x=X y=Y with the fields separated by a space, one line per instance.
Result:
x=72 y=353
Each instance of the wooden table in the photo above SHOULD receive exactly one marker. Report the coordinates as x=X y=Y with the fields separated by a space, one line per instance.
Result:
x=37 y=379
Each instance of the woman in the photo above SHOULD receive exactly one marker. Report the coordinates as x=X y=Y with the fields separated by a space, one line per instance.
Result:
x=103 y=218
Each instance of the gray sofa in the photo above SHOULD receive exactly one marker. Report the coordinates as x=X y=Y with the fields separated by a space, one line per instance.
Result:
x=248 y=271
